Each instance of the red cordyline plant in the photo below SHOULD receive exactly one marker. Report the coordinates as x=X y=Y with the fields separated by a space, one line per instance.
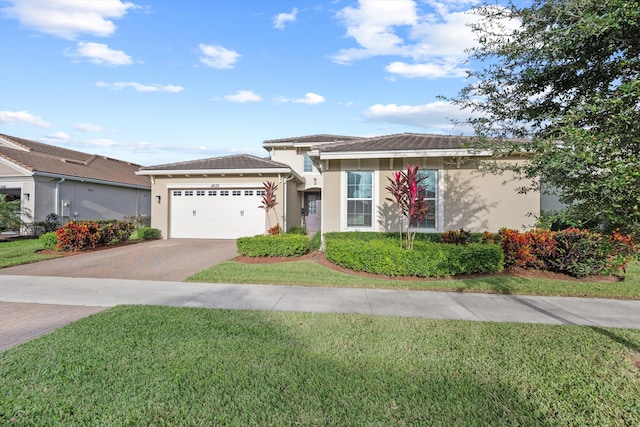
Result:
x=269 y=203
x=407 y=192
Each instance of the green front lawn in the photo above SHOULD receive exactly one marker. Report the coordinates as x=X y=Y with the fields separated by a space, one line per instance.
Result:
x=21 y=251
x=310 y=273
x=186 y=366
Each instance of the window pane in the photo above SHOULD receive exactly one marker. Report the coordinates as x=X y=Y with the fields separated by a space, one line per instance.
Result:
x=359 y=213
x=429 y=183
x=308 y=165
x=359 y=185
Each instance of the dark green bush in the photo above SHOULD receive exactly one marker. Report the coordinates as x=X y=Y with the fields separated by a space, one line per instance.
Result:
x=279 y=245
x=145 y=233
x=385 y=257
x=49 y=240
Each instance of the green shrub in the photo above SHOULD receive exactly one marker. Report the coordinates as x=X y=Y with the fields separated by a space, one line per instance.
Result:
x=279 y=245
x=145 y=233
x=298 y=230
x=49 y=240
x=316 y=241
x=456 y=237
x=385 y=257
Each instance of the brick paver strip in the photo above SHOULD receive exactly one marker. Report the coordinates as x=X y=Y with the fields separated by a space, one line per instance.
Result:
x=20 y=322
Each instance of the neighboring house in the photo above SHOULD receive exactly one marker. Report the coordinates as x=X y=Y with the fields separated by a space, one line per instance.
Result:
x=335 y=183
x=70 y=184
x=220 y=198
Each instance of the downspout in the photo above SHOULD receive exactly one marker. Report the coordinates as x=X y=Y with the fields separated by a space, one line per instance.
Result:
x=57 y=201
x=284 y=219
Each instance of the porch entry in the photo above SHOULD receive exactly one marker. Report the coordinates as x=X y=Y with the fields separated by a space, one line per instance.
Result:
x=312 y=211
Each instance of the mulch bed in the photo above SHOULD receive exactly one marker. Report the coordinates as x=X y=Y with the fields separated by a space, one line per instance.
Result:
x=320 y=258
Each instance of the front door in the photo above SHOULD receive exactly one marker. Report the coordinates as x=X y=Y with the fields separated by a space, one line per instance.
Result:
x=312 y=211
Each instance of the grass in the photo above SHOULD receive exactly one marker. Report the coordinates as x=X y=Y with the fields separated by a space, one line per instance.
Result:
x=187 y=366
x=22 y=251
x=309 y=273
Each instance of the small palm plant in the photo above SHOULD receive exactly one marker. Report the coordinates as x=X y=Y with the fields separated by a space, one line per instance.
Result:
x=269 y=203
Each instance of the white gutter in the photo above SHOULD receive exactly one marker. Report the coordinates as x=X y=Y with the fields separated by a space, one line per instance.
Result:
x=353 y=155
x=200 y=172
x=284 y=219
x=90 y=180
x=57 y=196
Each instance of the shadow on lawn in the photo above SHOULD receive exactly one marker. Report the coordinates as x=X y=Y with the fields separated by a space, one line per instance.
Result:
x=634 y=346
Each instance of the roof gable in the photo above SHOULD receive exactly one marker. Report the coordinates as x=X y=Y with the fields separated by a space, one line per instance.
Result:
x=233 y=162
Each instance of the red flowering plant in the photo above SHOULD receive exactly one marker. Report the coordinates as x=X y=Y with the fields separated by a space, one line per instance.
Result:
x=407 y=192
x=269 y=203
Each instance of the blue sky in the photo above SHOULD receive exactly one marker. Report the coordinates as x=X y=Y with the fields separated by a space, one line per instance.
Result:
x=156 y=82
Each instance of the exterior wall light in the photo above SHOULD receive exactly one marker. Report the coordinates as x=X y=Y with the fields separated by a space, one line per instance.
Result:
x=158 y=199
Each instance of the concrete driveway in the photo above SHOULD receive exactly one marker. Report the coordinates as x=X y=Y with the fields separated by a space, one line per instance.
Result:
x=160 y=260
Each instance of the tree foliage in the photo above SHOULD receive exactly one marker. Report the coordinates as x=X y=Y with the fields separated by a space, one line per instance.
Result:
x=565 y=76
x=10 y=214
x=407 y=191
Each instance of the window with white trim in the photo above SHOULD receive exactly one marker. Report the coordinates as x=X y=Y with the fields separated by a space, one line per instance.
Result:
x=224 y=192
x=236 y=193
x=430 y=193
x=260 y=192
x=248 y=192
x=359 y=199
x=213 y=192
x=200 y=193
x=308 y=164
x=188 y=193
x=177 y=193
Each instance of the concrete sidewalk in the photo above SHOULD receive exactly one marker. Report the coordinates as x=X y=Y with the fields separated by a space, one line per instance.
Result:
x=95 y=292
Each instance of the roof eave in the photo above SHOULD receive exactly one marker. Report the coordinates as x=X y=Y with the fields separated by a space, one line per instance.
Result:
x=155 y=172
x=91 y=180
x=387 y=154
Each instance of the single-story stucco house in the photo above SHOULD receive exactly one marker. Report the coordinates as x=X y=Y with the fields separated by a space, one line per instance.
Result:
x=335 y=183
x=70 y=184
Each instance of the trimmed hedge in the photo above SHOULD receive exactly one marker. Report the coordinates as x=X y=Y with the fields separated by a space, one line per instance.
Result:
x=420 y=237
x=385 y=257
x=279 y=245
x=145 y=233
x=49 y=240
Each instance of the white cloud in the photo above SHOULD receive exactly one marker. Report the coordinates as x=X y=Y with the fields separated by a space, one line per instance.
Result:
x=88 y=127
x=310 y=98
x=22 y=117
x=218 y=56
x=139 y=87
x=282 y=18
x=101 y=54
x=432 y=71
x=58 y=135
x=243 y=96
x=372 y=26
x=435 y=116
x=69 y=18
x=435 y=42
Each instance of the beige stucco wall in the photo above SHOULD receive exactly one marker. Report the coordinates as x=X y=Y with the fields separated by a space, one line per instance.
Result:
x=163 y=185
x=294 y=158
x=480 y=202
x=465 y=198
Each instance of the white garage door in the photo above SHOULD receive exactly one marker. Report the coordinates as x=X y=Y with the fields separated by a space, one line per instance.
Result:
x=216 y=214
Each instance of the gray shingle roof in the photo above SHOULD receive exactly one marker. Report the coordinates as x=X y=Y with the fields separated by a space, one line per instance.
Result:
x=238 y=161
x=399 y=142
x=312 y=139
x=37 y=157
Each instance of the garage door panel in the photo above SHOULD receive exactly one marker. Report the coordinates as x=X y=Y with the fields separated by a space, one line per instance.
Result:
x=215 y=217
